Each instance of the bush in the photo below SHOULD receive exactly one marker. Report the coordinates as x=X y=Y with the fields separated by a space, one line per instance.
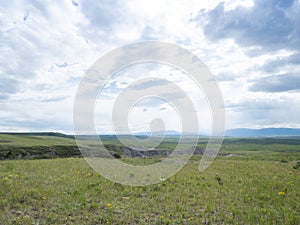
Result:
x=117 y=156
x=297 y=166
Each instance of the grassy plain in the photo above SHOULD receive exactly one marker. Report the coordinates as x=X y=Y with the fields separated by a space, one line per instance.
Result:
x=252 y=181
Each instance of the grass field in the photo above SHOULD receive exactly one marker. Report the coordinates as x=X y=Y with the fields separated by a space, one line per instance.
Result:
x=251 y=182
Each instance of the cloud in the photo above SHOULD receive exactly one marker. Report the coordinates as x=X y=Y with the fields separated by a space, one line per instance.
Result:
x=278 y=83
x=34 y=37
x=249 y=104
x=112 y=88
x=152 y=32
x=36 y=114
x=268 y=34
x=264 y=112
x=7 y=87
x=225 y=77
x=266 y=28
x=280 y=62
x=61 y=65
x=269 y=25
x=75 y=3
x=104 y=14
x=47 y=47
x=149 y=84
x=108 y=23
x=153 y=102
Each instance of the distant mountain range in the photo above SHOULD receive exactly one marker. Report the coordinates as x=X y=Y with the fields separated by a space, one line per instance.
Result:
x=54 y=134
x=239 y=132
x=159 y=133
x=265 y=132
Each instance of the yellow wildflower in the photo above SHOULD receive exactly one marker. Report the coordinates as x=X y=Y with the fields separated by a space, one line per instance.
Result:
x=109 y=205
x=281 y=193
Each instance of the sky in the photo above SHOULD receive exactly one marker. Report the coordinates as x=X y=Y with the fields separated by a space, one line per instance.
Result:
x=251 y=47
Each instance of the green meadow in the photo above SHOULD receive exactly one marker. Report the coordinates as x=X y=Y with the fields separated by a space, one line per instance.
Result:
x=252 y=181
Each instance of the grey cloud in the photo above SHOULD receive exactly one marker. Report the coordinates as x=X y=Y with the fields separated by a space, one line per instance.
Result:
x=62 y=65
x=74 y=80
x=28 y=45
x=7 y=87
x=150 y=102
x=112 y=87
x=167 y=97
x=26 y=16
x=225 y=77
x=29 y=124
x=149 y=84
x=250 y=104
x=271 y=25
x=265 y=112
x=151 y=33
x=24 y=55
x=148 y=33
x=36 y=125
x=278 y=83
x=103 y=14
x=3 y=96
x=53 y=99
x=75 y=3
x=274 y=65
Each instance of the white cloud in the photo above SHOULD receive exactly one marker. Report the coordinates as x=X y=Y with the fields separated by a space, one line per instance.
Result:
x=46 y=47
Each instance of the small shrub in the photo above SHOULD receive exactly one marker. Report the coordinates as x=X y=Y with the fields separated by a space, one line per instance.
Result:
x=297 y=166
x=218 y=178
x=117 y=156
